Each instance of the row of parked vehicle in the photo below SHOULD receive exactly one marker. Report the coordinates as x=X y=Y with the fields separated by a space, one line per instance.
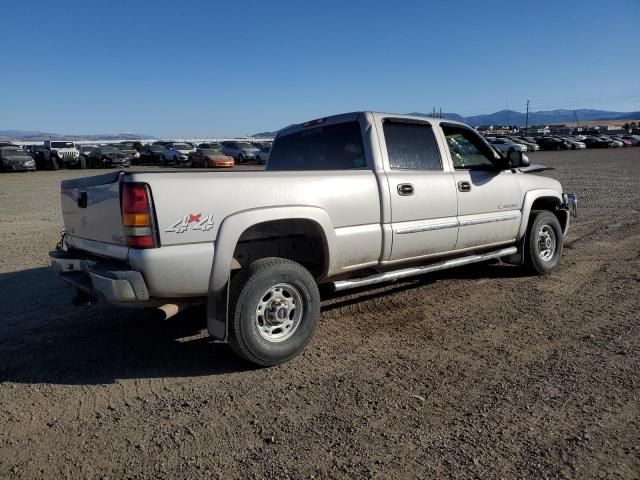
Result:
x=507 y=143
x=64 y=154
x=53 y=155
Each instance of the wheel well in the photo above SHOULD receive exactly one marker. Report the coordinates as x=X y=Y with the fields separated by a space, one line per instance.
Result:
x=299 y=240
x=552 y=205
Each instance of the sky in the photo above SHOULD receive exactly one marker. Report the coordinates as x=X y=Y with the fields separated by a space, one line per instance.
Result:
x=214 y=68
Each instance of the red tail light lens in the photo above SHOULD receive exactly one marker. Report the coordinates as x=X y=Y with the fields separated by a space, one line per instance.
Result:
x=137 y=216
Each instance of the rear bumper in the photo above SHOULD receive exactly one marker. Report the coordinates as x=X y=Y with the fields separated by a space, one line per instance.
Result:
x=111 y=282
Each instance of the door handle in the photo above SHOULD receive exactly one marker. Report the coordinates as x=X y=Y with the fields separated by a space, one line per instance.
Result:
x=464 y=186
x=405 y=189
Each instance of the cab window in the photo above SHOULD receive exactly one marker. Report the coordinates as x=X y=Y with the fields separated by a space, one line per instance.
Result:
x=469 y=151
x=411 y=146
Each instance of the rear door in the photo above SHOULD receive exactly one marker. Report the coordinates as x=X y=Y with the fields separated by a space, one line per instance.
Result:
x=423 y=197
x=489 y=197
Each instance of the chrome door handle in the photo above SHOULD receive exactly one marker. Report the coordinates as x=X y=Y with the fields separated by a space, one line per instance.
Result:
x=464 y=186
x=405 y=189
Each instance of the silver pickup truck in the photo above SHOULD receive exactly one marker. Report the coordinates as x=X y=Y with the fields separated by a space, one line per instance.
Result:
x=350 y=200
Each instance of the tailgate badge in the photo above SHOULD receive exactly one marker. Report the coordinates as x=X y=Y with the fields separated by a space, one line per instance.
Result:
x=192 y=221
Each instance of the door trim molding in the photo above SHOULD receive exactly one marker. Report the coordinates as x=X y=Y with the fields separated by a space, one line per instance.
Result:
x=458 y=223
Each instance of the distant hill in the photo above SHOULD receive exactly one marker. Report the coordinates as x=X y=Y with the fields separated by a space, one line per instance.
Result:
x=36 y=136
x=543 y=117
x=264 y=135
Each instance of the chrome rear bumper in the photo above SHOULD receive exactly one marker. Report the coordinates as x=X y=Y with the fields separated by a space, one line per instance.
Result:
x=109 y=281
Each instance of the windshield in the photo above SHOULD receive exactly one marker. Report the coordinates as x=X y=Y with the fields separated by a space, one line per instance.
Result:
x=13 y=153
x=182 y=146
x=331 y=147
x=246 y=146
x=209 y=151
x=124 y=147
x=61 y=144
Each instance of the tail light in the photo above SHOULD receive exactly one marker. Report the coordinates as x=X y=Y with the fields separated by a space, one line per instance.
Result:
x=137 y=216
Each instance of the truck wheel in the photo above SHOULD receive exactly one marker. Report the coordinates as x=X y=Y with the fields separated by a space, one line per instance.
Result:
x=543 y=245
x=274 y=311
x=82 y=163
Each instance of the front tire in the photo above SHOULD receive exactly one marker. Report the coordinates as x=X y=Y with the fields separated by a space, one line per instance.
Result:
x=82 y=163
x=543 y=245
x=274 y=311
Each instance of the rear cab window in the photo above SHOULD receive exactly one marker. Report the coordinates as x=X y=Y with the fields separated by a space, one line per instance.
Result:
x=337 y=146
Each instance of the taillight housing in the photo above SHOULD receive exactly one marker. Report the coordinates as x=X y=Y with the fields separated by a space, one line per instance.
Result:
x=137 y=216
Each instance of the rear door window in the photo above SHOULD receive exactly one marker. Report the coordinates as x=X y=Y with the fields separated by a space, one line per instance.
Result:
x=411 y=146
x=325 y=147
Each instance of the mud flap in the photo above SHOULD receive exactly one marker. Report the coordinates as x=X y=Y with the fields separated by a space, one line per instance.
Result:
x=217 y=313
x=517 y=258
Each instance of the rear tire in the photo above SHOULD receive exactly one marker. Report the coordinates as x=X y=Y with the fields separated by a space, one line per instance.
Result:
x=543 y=245
x=274 y=311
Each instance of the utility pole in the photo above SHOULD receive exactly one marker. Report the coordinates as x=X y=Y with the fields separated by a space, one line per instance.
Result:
x=526 y=122
x=508 y=117
x=440 y=115
x=575 y=117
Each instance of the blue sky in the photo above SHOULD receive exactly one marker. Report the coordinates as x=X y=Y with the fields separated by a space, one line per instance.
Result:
x=208 y=68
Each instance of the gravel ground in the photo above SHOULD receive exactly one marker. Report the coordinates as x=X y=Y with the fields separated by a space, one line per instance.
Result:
x=478 y=372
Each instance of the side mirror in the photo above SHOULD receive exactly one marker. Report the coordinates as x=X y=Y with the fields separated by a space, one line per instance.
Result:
x=518 y=159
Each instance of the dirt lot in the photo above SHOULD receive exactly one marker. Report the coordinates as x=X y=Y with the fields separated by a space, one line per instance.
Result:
x=478 y=372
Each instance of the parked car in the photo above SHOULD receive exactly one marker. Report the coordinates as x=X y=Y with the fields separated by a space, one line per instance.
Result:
x=625 y=142
x=13 y=158
x=634 y=139
x=242 y=152
x=210 y=155
x=151 y=153
x=506 y=145
x=575 y=145
x=61 y=153
x=595 y=142
x=262 y=155
x=612 y=143
x=108 y=156
x=552 y=143
x=261 y=145
x=130 y=149
x=334 y=207
x=531 y=147
x=177 y=153
x=84 y=151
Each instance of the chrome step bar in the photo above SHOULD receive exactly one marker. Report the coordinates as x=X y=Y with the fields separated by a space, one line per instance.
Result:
x=413 y=271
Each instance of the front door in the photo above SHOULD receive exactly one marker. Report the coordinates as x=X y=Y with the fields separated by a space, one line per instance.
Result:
x=423 y=196
x=489 y=197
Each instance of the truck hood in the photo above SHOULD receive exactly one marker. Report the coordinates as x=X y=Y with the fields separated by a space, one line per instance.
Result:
x=531 y=181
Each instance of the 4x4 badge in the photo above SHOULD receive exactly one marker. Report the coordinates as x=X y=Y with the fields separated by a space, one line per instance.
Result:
x=192 y=221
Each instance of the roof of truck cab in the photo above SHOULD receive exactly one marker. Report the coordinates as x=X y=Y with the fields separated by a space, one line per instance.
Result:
x=352 y=116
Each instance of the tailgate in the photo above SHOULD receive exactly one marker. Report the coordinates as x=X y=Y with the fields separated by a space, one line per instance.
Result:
x=91 y=209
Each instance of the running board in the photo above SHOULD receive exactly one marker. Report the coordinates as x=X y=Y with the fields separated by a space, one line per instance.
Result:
x=413 y=271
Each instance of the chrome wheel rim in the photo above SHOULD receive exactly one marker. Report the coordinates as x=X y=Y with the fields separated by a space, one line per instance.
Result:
x=546 y=242
x=279 y=312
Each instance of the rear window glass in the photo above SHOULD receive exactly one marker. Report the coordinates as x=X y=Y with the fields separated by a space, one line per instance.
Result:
x=327 y=147
x=411 y=146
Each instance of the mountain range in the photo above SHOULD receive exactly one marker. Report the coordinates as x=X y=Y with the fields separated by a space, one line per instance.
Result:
x=502 y=117
x=543 y=117
x=35 y=136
